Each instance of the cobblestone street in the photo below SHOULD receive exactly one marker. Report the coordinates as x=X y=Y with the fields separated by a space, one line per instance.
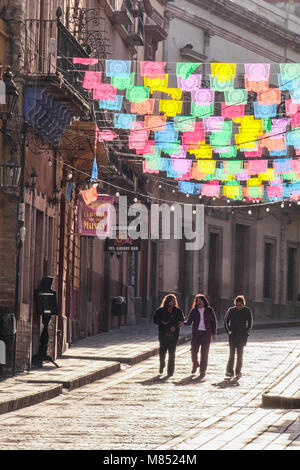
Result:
x=138 y=409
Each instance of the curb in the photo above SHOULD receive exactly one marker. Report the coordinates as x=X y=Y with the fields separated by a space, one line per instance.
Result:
x=268 y=401
x=92 y=377
x=29 y=400
x=273 y=401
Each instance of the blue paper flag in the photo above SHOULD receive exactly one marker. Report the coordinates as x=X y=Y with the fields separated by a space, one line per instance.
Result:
x=113 y=105
x=94 y=170
x=124 y=121
x=117 y=68
x=264 y=110
x=69 y=190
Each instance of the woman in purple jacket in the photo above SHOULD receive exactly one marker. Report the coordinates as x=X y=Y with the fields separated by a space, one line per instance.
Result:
x=204 y=328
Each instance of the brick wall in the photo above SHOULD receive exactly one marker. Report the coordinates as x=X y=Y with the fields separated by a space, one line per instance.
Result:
x=23 y=350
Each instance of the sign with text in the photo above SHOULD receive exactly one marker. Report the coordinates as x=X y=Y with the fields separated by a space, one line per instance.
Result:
x=96 y=216
x=119 y=244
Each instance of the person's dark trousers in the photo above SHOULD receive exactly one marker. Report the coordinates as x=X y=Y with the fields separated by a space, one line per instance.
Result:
x=200 y=338
x=167 y=344
x=239 y=349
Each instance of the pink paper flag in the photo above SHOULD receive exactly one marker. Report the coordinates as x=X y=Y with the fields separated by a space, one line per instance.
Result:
x=233 y=111
x=180 y=154
x=138 y=136
x=153 y=69
x=257 y=72
x=84 y=61
x=257 y=166
x=191 y=140
x=148 y=149
x=243 y=176
x=104 y=92
x=256 y=154
x=296 y=165
x=91 y=79
x=212 y=190
x=181 y=165
x=275 y=190
x=202 y=96
x=191 y=83
x=295 y=120
x=291 y=108
x=106 y=134
x=213 y=123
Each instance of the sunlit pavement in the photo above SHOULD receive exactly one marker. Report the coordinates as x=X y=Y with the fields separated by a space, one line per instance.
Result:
x=139 y=409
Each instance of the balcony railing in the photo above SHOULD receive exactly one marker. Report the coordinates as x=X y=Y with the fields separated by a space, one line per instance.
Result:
x=122 y=11
x=50 y=47
x=136 y=31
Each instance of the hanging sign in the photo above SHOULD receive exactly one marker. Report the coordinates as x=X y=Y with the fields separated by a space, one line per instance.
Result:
x=89 y=223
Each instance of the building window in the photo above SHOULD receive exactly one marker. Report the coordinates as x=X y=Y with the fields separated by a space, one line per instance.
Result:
x=291 y=273
x=269 y=270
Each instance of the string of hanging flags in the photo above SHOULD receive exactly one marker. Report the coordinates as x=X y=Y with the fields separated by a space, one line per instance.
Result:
x=212 y=136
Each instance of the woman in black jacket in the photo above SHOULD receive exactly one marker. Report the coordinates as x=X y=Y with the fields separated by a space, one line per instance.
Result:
x=237 y=321
x=204 y=328
x=169 y=318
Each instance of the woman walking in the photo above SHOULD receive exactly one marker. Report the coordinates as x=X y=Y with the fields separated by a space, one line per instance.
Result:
x=204 y=328
x=237 y=321
x=169 y=318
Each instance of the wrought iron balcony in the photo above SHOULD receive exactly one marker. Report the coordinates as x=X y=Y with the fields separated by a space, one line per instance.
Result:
x=121 y=12
x=136 y=31
x=50 y=47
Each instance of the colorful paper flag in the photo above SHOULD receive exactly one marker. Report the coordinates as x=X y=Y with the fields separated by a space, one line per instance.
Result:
x=153 y=69
x=185 y=69
x=117 y=68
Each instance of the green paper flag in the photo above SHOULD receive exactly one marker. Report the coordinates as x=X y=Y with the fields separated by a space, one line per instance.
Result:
x=122 y=83
x=138 y=94
x=236 y=96
x=185 y=69
x=202 y=111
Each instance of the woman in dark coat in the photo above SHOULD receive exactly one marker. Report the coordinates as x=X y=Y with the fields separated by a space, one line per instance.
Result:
x=169 y=318
x=237 y=321
x=204 y=328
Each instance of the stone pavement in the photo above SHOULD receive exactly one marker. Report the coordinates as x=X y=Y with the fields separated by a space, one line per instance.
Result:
x=99 y=356
x=139 y=409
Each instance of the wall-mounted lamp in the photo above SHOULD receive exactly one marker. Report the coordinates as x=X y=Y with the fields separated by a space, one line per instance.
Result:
x=33 y=179
x=55 y=195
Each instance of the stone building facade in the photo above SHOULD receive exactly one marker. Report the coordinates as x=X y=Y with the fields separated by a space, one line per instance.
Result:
x=256 y=254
